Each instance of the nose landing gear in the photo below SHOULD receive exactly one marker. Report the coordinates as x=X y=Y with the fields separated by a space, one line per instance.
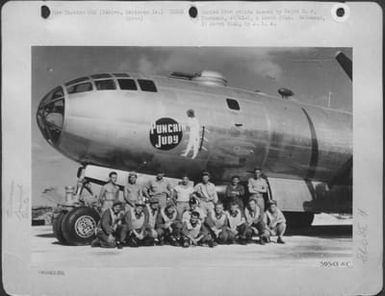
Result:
x=74 y=223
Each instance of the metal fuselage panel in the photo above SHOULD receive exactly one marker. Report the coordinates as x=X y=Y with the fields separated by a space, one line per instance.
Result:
x=111 y=128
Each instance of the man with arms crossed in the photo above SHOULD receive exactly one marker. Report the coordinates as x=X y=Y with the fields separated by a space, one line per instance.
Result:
x=235 y=192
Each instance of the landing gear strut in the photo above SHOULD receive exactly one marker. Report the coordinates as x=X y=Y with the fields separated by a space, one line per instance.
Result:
x=74 y=222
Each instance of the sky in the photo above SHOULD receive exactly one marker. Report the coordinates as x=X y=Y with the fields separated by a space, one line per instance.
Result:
x=311 y=73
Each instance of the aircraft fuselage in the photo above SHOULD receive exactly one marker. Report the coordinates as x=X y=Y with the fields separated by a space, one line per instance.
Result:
x=189 y=126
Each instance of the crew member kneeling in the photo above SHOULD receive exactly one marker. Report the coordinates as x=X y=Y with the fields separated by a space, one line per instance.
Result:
x=275 y=220
x=195 y=233
x=255 y=221
x=168 y=226
x=107 y=226
x=238 y=225
x=152 y=210
x=218 y=223
x=134 y=231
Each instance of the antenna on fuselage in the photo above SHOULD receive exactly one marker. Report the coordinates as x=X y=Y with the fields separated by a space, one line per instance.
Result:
x=285 y=93
x=182 y=75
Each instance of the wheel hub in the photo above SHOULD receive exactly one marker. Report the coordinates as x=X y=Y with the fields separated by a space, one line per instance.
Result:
x=85 y=226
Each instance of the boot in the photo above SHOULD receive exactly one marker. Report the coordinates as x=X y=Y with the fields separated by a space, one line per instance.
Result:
x=95 y=243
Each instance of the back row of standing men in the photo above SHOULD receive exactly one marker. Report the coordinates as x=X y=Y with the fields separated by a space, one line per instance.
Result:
x=156 y=211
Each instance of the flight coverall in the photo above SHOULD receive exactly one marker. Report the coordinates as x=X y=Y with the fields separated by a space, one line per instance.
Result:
x=234 y=194
x=106 y=230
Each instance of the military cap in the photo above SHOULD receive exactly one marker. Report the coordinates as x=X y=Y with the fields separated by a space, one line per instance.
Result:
x=271 y=202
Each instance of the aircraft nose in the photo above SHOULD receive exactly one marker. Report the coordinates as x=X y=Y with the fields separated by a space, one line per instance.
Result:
x=50 y=115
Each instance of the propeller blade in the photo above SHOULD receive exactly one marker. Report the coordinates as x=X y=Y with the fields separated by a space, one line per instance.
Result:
x=345 y=63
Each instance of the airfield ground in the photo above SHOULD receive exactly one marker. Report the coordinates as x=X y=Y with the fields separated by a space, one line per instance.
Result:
x=328 y=239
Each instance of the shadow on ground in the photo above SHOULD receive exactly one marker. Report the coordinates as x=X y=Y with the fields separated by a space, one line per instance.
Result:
x=322 y=231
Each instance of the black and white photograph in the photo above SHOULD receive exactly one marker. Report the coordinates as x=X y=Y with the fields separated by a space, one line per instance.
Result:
x=170 y=152
x=192 y=148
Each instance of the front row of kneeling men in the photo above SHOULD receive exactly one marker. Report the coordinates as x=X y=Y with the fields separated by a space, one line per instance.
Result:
x=149 y=224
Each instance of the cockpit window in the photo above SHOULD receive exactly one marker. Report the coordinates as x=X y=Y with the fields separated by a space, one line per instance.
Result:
x=58 y=93
x=104 y=75
x=82 y=87
x=54 y=94
x=233 y=104
x=50 y=118
x=77 y=80
x=127 y=84
x=105 y=84
x=147 y=85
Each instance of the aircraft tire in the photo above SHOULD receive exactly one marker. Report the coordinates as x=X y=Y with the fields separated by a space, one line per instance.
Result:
x=299 y=219
x=78 y=226
x=56 y=227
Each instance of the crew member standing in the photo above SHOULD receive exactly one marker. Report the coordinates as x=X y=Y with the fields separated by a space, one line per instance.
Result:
x=235 y=192
x=257 y=188
x=158 y=188
x=132 y=191
x=182 y=193
x=206 y=193
x=275 y=220
x=109 y=192
x=107 y=226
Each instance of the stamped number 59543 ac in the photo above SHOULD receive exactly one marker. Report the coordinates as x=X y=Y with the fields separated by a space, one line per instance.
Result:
x=326 y=263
